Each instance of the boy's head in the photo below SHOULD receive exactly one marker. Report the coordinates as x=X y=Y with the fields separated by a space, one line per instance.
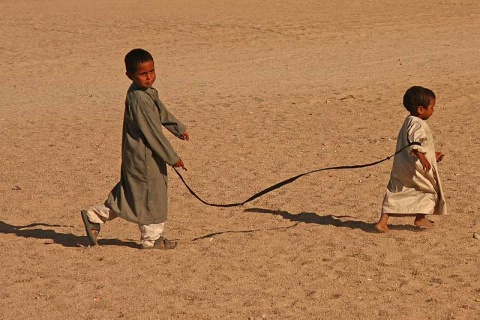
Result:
x=140 y=68
x=419 y=101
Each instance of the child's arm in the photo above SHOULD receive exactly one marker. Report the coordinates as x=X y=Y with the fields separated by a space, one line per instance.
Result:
x=145 y=115
x=170 y=122
x=423 y=160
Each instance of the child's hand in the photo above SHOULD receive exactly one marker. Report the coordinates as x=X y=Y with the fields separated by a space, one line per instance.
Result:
x=185 y=136
x=439 y=155
x=179 y=163
x=425 y=163
x=423 y=160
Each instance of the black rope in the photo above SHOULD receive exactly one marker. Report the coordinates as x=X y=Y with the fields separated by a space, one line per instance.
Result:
x=290 y=180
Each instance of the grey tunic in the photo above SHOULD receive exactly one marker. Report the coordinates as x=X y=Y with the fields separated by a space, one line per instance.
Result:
x=411 y=190
x=141 y=194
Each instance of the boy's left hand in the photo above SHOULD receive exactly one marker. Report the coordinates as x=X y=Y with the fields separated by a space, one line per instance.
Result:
x=185 y=136
x=439 y=156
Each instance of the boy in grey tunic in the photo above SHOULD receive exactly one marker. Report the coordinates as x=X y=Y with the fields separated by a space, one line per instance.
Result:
x=141 y=194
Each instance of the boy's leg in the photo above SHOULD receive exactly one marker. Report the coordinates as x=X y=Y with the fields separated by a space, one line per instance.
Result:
x=151 y=237
x=100 y=214
x=93 y=217
x=382 y=225
x=422 y=221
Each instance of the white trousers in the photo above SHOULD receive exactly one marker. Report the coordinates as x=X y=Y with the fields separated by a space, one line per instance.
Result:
x=148 y=232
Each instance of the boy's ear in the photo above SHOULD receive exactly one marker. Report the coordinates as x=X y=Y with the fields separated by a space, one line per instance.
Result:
x=420 y=109
x=129 y=75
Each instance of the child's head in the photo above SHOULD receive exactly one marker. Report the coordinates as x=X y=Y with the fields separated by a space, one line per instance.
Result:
x=419 y=102
x=140 y=68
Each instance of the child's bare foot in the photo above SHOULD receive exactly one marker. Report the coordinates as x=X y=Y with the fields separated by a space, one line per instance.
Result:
x=423 y=222
x=381 y=227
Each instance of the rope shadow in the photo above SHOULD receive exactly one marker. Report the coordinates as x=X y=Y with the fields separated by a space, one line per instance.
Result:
x=241 y=231
x=65 y=239
x=331 y=220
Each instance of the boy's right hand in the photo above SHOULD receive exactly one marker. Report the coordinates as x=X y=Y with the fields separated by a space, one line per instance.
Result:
x=423 y=160
x=180 y=164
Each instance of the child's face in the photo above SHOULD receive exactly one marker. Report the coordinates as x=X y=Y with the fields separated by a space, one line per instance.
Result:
x=145 y=75
x=425 y=113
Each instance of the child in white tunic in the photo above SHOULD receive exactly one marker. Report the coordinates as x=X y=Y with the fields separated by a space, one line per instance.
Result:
x=415 y=188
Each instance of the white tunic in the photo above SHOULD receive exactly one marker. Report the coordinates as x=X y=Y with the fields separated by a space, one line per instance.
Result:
x=411 y=190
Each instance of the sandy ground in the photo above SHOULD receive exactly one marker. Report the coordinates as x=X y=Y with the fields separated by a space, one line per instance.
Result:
x=269 y=89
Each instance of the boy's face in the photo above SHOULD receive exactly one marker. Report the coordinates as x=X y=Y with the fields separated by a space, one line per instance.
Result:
x=425 y=113
x=145 y=75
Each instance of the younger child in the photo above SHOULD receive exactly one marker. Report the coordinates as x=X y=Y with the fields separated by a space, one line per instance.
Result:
x=141 y=194
x=415 y=188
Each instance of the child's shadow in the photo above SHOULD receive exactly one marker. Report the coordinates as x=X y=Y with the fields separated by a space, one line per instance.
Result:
x=64 y=239
x=337 y=221
x=310 y=217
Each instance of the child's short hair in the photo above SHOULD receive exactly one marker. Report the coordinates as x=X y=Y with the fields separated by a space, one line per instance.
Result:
x=135 y=57
x=417 y=96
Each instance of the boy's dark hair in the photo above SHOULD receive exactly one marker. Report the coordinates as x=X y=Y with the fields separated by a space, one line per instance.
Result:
x=135 y=57
x=417 y=96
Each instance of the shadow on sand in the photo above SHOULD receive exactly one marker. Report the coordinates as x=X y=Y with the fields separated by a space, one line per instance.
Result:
x=242 y=231
x=341 y=221
x=36 y=231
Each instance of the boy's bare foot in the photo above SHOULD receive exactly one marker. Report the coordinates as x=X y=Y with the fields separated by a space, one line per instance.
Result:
x=381 y=228
x=423 y=222
x=382 y=224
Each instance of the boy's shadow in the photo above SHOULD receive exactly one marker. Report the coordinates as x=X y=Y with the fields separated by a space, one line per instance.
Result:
x=310 y=217
x=337 y=221
x=64 y=239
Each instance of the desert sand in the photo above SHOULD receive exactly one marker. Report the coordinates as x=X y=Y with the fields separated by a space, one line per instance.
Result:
x=268 y=90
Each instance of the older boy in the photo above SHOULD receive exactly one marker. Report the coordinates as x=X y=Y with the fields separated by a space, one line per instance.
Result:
x=141 y=194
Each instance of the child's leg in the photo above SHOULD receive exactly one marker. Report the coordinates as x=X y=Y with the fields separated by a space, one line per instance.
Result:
x=151 y=237
x=422 y=221
x=93 y=217
x=100 y=214
x=381 y=225
x=150 y=232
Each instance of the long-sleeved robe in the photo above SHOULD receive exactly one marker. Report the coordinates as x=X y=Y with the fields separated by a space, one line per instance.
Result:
x=411 y=190
x=141 y=194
